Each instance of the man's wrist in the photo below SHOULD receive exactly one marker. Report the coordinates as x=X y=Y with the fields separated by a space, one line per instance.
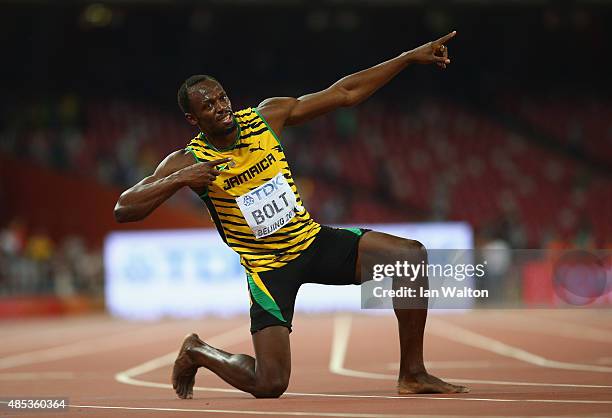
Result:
x=176 y=179
x=408 y=57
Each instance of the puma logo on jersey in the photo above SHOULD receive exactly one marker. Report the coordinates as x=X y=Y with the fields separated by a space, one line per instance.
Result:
x=259 y=148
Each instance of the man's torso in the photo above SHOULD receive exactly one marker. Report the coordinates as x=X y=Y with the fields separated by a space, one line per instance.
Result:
x=254 y=202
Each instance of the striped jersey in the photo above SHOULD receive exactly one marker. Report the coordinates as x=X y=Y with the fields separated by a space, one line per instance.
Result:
x=254 y=202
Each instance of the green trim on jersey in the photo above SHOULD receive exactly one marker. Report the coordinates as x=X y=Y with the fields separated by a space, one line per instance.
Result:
x=231 y=147
x=192 y=153
x=268 y=126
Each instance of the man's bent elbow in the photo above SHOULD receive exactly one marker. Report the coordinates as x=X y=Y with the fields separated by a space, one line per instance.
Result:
x=352 y=98
x=119 y=214
x=122 y=215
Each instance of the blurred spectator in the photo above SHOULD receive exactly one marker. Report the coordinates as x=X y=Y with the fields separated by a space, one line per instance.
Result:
x=33 y=265
x=13 y=238
x=434 y=160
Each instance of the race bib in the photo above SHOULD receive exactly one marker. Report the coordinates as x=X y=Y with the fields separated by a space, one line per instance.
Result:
x=269 y=207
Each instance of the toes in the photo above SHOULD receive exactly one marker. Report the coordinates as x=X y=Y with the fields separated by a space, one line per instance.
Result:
x=183 y=387
x=190 y=388
x=185 y=390
x=462 y=389
x=179 y=390
x=456 y=388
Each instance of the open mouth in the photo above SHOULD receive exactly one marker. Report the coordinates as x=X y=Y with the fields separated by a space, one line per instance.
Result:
x=226 y=118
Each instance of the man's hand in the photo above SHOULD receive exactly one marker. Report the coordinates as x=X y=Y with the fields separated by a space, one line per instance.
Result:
x=352 y=89
x=201 y=175
x=433 y=52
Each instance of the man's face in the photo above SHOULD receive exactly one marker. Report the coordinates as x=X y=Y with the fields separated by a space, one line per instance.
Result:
x=211 y=109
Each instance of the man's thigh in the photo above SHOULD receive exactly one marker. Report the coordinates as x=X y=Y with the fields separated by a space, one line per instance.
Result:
x=380 y=248
x=334 y=257
x=273 y=296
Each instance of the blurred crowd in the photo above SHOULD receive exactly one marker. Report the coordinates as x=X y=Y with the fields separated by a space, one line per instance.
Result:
x=432 y=160
x=32 y=263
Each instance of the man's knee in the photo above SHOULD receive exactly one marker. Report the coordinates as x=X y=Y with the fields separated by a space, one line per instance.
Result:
x=413 y=250
x=272 y=388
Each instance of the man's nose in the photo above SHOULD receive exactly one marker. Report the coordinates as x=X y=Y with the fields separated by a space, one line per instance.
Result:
x=220 y=107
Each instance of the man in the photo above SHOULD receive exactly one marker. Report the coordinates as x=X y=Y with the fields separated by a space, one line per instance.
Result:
x=237 y=166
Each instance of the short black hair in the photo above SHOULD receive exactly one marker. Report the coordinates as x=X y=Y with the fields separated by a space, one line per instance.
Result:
x=183 y=97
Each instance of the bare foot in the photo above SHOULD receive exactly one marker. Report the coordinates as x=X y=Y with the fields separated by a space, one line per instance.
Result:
x=184 y=371
x=426 y=383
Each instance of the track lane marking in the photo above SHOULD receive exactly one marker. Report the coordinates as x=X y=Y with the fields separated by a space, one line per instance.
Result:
x=93 y=345
x=339 y=345
x=342 y=329
x=464 y=336
x=296 y=413
x=550 y=326
x=232 y=336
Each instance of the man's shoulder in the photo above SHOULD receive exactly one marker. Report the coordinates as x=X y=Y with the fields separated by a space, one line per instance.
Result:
x=175 y=161
x=197 y=149
x=244 y=116
x=183 y=156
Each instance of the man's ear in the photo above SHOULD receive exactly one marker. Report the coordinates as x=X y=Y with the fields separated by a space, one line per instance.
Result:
x=192 y=121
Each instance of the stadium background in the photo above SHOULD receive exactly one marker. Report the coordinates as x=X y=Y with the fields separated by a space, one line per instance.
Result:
x=515 y=138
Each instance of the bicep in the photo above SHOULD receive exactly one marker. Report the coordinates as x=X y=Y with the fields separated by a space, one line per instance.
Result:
x=316 y=104
x=171 y=164
x=283 y=111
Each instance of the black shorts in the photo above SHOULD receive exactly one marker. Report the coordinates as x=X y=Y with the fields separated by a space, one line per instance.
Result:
x=330 y=259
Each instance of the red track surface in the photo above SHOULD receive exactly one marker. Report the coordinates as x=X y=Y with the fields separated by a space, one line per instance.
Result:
x=343 y=366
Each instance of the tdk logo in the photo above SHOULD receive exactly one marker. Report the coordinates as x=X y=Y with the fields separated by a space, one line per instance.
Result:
x=267 y=189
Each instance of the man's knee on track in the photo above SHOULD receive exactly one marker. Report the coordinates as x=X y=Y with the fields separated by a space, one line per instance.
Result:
x=273 y=388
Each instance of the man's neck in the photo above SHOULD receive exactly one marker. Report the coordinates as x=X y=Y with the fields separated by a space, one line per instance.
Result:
x=222 y=142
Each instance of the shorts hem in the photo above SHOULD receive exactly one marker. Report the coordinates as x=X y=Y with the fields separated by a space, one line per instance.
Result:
x=255 y=329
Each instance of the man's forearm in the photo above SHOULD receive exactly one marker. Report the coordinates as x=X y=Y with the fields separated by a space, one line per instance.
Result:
x=359 y=86
x=139 y=201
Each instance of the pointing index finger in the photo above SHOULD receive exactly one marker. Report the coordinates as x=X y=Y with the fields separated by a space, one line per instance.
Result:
x=446 y=38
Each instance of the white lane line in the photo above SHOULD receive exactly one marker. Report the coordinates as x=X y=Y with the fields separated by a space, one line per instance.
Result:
x=297 y=413
x=247 y=412
x=37 y=375
x=455 y=365
x=464 y=336
x=137 y=382
x=227 y=338
x=48 y=333
x=342 y=329
x=62 y=328
x=553 y=327
x=233 y=336
x=94 y=345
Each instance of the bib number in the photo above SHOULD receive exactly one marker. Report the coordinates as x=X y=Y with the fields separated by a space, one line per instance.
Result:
x=269 y=207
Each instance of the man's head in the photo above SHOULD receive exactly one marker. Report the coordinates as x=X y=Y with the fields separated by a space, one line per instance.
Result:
x=205 y=104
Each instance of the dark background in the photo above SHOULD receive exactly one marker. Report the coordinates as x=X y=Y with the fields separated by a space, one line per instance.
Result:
x=515 y=137
x=258 y=49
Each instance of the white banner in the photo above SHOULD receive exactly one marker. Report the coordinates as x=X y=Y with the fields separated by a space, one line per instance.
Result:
x=191 y=273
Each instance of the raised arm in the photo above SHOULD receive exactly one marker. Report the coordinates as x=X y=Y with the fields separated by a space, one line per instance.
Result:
x=352 y=89
x=177 y=170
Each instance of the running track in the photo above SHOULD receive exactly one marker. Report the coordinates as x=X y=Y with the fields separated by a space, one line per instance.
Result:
x=517 y=363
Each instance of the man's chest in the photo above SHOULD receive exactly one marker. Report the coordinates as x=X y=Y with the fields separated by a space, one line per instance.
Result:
x=252 y=165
